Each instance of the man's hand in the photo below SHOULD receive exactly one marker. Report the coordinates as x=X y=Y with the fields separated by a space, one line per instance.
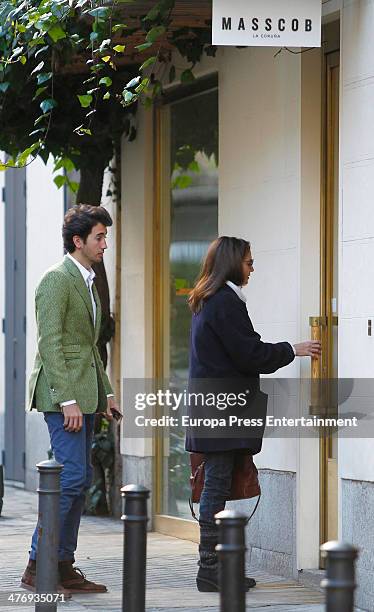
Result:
x=310 y=348
x=73 y=420
x=112 y=409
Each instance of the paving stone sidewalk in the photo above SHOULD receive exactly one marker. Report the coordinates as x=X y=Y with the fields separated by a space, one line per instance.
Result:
x=171 y=568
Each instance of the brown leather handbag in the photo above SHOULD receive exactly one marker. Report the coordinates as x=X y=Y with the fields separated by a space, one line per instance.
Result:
x=244 y=484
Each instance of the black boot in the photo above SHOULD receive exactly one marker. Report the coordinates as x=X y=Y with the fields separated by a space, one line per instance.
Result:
x=207 y=575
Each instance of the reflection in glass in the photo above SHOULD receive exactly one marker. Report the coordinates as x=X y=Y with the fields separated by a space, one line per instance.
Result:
x=194 y=224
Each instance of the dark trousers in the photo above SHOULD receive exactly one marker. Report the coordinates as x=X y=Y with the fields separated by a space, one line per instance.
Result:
x=217 y=486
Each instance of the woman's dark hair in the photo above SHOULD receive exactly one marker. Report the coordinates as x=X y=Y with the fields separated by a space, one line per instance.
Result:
x=223 y=262
x=79 y=221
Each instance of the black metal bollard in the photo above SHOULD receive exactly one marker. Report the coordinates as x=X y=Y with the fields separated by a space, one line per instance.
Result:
x=339 y=583
x=231 y=555
x=48 y=532
x=135 y=520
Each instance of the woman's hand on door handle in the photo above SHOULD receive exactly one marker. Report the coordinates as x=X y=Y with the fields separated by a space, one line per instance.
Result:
x=310 y=348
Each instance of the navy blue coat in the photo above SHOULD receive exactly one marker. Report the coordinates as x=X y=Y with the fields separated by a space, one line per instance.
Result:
x=224 y=345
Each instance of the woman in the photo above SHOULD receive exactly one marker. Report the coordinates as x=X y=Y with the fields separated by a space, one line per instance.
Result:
x=224 y=345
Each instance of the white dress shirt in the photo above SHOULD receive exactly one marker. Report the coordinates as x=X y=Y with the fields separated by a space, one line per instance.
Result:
x=88 y=277
x=238 y=290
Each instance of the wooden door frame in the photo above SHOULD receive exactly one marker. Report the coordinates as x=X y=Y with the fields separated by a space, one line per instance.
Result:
x=331 y=61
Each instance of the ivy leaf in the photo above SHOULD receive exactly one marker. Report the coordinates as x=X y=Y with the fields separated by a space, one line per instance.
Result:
x=155 y=33
x=106 y=58
x=60 y=180
x=106 y=96
x=119 y=48
x=143 y=85
x=43 y=77
x=41 y=118
x=100 y=13
x=43 y=129
x=64 y=162
x=41 y=50
x=81 y=131
x=128 y=96
x=105 y=44
x=22 y=157
x=119 y=26
x=48 y=104
x=85 y=100
x=16 y=52
x=106 y=81
x=148 y=62
x=36 y=41
x=23 y=59
x=133 y=82
x=39 y=91
x=153 y=13
x=144 y=46
x=187 y=76
x=73 y=185
x=44 y=154
x=56 y=33
x=37 y=68
x=4 y=86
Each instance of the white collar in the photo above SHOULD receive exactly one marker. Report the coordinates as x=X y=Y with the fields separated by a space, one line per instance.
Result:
x=87 y=274
x=238 y=290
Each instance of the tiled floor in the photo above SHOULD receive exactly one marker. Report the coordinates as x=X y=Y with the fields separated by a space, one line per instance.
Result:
x=171 y=568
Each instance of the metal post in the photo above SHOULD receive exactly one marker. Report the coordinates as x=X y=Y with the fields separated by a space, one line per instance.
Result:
x=231 y=555
x=135 y=520
x=1 y=487
x=48 y=532
x=339 y=583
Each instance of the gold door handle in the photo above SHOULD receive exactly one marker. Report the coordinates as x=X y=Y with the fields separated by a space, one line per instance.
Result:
x=316 y=324
x=318 y=384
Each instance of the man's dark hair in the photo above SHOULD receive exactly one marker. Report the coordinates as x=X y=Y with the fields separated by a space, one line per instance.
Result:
x=79 y=221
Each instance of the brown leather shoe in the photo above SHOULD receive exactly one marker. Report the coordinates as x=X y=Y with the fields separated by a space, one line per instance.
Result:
x=74 y=580
x=29 y=578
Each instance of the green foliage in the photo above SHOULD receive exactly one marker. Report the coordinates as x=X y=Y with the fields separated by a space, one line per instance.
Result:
x=48 y=108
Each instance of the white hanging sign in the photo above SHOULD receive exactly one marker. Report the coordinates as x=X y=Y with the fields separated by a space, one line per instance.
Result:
x=267 y=23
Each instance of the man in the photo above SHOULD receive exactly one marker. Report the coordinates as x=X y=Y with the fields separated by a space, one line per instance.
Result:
x=68 y=383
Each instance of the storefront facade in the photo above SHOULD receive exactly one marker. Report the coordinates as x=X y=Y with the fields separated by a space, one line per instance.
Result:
x=278 y=149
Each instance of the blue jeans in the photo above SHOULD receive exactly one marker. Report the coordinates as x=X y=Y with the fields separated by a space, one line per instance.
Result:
x=73 y=450
x=217 y=485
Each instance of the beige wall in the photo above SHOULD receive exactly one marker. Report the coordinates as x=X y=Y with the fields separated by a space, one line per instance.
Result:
x=137 y=259
x=356 y=348
x=269 y=193
x=44 y=248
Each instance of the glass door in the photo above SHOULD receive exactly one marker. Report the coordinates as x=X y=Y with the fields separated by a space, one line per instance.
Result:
x=186 y=222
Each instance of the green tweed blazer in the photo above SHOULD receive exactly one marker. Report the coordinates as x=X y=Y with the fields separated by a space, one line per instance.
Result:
x=67 y=363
